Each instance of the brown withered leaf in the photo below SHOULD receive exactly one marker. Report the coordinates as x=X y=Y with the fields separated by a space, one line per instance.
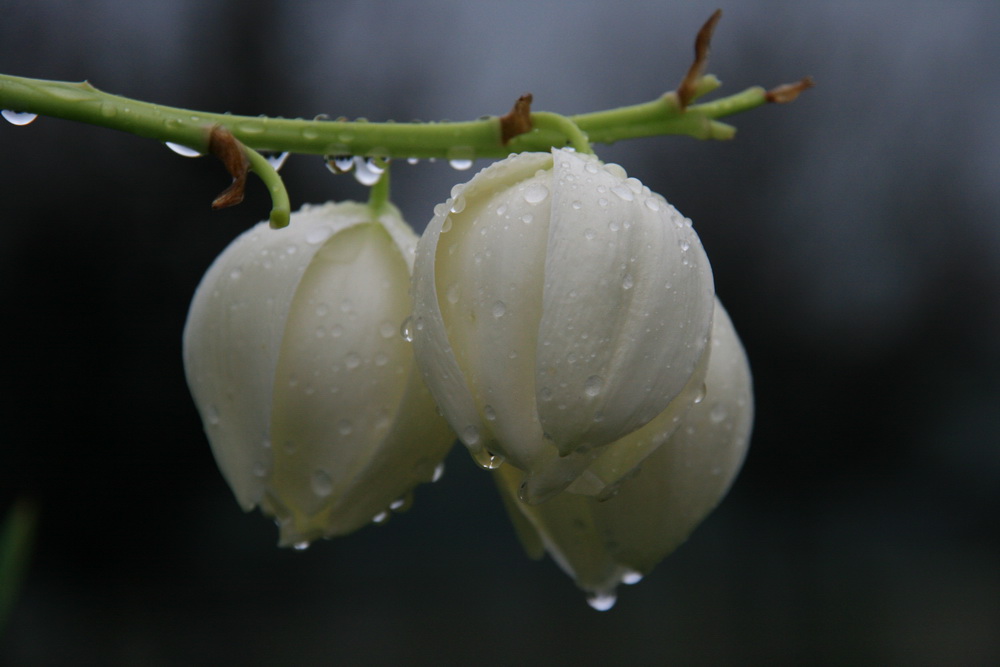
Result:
x=226 y=147
x=702 y=46
x=517 y=120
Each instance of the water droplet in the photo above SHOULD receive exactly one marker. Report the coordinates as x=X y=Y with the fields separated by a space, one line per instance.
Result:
x=322 y=485
x=488 y=460
x=412 y=160
x=397 y=504
x=17 y=117
x=684 y=244
x=652 y=204
x=545 y=393
x=368 y=171
x=259 y=469
x=527 y=218
x=438 y=472
x=344 y=427
x=446 y=225
x=593 y=385
x=352 y=360
x=340 y=164
x=300 y=546
x=183 y=151
x=454 y=293
x=602 y=202
x=631 y=578
x=470 y=434
x=406 y=329
x=700 y=396
x=615 y=225
x=536 y=193
x=278 y=161
x=577 y=205
x=499 y=309
x=627 y=282
x=461 y=164
x=381 y=517
x=602 y=601
x=235 y=273
x=589 y=234
x=318 y=235
x=501 y=209
x=386 y=330
x=213 y=415
x=718 y=413
x=623 y=192
x=336 y=331
x=489 y=413
x=458 y=204
x=591 y=168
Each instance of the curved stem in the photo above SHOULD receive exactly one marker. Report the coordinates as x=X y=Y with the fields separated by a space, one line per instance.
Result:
x=545 y=120
x=281 y=208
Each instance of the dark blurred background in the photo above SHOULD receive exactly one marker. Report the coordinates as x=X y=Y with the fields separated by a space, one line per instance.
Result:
x=855 y=238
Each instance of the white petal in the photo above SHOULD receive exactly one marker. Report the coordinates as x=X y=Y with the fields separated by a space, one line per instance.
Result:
x=233 y=336
x=600 y=543
x=477 y=294
x=627 y=306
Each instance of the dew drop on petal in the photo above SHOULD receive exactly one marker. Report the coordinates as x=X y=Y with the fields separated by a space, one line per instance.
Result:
x=183 y=151
x=593 y=385
x=406 y=329
x=718 y=413
x=438 y=472
x=499 y=309
x=470 y=434
x=602 y=601
x=652 y=204
x=17 y=117
x=536 y=193
x=627 y=281
x=322 y=485
x=489 y=413
x=381 y=517
x=623 y=192
x=700 y=396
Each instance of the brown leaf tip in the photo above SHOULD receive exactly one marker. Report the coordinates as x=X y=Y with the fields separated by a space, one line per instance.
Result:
x=517 y=120
x=789 y=91
x=702 y=46
x=226 y=147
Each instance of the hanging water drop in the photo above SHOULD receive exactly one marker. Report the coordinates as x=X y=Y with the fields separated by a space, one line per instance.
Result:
x=367 y=172
x=602 y=601
x=181 y=150
x=340 y=164
x=381 y=517
x=17 y=117
x=438 y=472
x=300 y=546
x=278 y=161
x=631 y=578
x=488 y=460
x=460 y=164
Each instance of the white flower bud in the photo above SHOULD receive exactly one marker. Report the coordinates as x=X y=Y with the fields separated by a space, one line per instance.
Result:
x=309 y=395
x=558 y=307
x=603 y=543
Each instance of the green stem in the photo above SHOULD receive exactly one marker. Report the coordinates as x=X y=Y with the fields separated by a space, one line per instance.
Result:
x=378 y=194
x=480 y=138
x=545 y=120
x=281 y=208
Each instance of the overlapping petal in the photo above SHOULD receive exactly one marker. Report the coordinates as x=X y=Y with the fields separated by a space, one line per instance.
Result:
x=310 y=397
